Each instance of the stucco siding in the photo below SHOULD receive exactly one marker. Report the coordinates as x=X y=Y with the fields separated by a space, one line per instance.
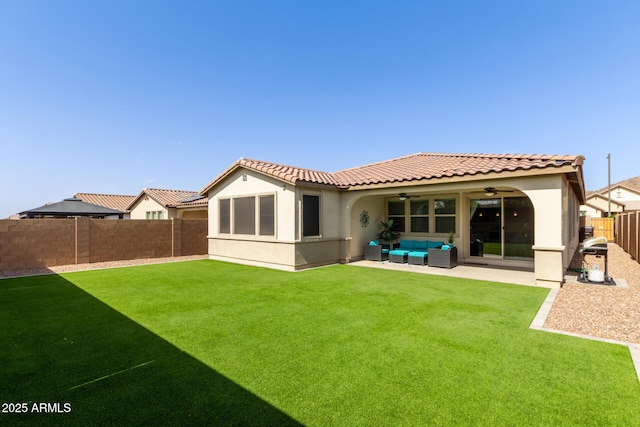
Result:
x=140 y=209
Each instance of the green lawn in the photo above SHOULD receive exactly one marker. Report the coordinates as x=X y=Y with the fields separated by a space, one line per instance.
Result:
x=205 y=342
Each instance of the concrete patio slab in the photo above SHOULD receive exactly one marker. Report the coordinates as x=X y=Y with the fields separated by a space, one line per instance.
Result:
x=463 y=271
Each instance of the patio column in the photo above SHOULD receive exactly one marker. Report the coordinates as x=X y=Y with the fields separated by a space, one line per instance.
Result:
x=548 y=246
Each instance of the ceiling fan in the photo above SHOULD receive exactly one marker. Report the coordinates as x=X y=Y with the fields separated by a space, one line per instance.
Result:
x=404 y=196
x=491 y=191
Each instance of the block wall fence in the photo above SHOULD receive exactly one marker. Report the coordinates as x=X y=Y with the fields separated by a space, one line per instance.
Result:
x=30 y=243
x=628 y=233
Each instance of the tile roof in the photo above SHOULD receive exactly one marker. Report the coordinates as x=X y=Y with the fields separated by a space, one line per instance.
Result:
x=113 y=201
x=202 y=202
x=414 y=167
x=632 y=184
x=167 y=198
x=439 y=165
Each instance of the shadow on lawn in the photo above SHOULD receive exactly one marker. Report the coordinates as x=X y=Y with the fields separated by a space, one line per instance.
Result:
x=94 y=366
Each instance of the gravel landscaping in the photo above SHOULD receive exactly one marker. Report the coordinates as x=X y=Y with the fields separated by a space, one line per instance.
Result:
x=93 y=266
x=602 y=311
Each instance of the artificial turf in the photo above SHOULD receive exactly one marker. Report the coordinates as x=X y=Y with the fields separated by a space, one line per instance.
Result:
x=206 y=342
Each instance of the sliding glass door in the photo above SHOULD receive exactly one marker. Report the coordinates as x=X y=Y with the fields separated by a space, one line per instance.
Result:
x=518 y=228
x=486 y=227
x=501 y=228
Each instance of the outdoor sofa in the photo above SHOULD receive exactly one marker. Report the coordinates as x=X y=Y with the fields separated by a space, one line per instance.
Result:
x=413 y=251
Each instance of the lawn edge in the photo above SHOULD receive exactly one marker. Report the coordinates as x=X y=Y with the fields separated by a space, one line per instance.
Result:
x=541 y=318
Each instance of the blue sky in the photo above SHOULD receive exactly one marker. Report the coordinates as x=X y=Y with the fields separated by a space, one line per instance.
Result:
x=115 y=96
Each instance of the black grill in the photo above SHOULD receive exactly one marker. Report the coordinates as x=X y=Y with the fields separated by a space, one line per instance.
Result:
x=595 y=246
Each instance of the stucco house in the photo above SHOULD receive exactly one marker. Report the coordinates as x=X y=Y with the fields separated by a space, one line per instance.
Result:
x=525 y=207
x=154 y=203
x=597 y=206
x=624 y=196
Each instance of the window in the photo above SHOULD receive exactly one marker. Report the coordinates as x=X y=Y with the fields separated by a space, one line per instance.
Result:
x=395 y=211
x=420 y=216
x=267 y=217
x=247 y=215
x=445 y=215
x=154 y=214
x=224 y=215
x=244 y=215
x=310 y=215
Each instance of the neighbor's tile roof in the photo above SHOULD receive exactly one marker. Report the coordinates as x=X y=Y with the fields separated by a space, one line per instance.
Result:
x=113 y=201
x=167 y=198
x=203 y=201
x=408 y=168
x=632 y=184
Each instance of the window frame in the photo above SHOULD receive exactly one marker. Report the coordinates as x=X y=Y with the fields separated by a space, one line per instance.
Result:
x=426 y=200
x=272 y=217
x=232 y=217
x=239 y=214
x=303 y=216
x=431 y=199
x=453 y=215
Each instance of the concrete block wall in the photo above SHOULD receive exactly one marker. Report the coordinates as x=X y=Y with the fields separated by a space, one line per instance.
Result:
x=192 y=232
x=51 y=242
x=37 y=243
x=129 y=239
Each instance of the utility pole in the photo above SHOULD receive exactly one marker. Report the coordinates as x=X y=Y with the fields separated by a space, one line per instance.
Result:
x=609 y=177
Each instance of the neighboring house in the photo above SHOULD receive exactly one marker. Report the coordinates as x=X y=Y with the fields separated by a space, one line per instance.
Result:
x=112 y=201
x=597 y=206
x=525 y=208
x=153 y=203
x=625 y=196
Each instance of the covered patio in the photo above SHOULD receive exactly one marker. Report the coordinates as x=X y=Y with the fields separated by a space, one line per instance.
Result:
x=494 y=273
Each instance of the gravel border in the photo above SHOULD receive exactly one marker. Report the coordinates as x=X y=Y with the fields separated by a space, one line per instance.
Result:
x=609 y=312
x=39 y=271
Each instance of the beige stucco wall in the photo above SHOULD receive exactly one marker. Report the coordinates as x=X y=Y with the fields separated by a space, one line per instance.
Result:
x=250 y=183
x=622 y=194
x=142 y=206
x=193 y=214
x=288 y=249
x=602 y=205
x=590 y=211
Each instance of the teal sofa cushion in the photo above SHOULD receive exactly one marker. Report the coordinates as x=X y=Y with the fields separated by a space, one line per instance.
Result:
x=406 y=244
x=399 y=252
x=423 y=254
x=421 y=245
x=435 y=244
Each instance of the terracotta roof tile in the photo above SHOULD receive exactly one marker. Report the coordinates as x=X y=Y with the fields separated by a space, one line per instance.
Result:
x=167 y=198
x=437 y=165
x=203 y=202
x=112 y=201
x=413 y=167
